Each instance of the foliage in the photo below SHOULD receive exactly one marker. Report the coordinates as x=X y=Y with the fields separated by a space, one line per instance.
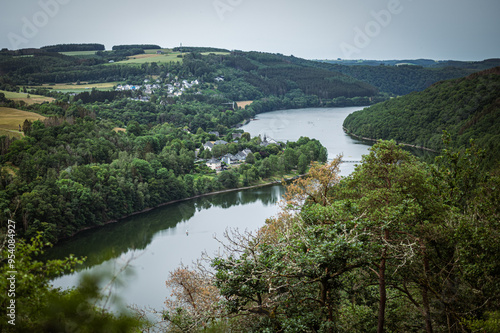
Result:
x=390 y=241
x=466 y=108
x=40 y=308
x=135 y=46
x=73 y=47
x=74 y=173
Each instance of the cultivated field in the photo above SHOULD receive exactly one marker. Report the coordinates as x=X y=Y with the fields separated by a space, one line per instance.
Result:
x=10 y=119
x=242 y=104
x=33 y=99
x=83 y=86
x=151 y=56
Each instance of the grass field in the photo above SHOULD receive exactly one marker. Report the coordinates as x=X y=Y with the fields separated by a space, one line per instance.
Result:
x=33 y=99
x=149 y=57
x=73 y=87
x=79 y=53
x=10 y=119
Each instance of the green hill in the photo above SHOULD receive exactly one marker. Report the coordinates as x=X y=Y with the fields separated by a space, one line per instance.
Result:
x=467 y=108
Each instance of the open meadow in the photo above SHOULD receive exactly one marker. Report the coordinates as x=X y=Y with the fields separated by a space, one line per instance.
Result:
x=26 y=97
x=74 y=87
x=79 y=53
x=149 y=56
x=11 y=119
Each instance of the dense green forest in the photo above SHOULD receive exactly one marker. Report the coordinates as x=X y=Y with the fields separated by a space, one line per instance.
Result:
x=73 y=47
x=398 y=246
x=401 y=77
x=136 y=46
x=73 y=174
x=467 y=108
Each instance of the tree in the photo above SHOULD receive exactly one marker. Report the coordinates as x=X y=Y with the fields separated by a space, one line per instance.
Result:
x=250 y=159
x=27 y=127
x=193 y=301
x=388 y=187
x=44 y=309
x=228 y=179
x=302 y=164
x=245 y=137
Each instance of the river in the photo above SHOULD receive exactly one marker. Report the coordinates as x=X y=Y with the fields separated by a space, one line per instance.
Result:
x=155 y=243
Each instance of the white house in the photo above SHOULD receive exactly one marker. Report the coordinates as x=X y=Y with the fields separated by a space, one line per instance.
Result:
x=208 y=145
x=229 y=159
x=214 y=164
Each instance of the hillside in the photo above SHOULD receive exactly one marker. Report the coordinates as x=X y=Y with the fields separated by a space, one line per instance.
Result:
x=467 y=108
x=401 y=77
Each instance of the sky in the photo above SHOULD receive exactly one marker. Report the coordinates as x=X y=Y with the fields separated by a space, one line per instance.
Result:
x=312 y=29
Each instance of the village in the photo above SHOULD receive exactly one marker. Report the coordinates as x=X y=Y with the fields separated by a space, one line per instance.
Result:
x=229 y=160
x=175 y=88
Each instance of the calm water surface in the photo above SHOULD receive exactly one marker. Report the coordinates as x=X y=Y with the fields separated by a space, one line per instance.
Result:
x=157 y=242
x=323 y=124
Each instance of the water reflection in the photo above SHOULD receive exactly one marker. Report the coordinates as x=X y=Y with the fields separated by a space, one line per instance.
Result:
x=137 y=232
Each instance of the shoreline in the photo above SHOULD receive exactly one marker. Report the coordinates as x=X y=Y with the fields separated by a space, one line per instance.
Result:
x=274 y=182
x=399 y=143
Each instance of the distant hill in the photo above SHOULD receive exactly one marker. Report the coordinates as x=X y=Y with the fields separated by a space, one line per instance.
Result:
x=401 y=77
x=467 y=108
x=479 y=65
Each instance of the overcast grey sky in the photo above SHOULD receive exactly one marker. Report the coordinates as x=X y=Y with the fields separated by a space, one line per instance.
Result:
x=313 y=29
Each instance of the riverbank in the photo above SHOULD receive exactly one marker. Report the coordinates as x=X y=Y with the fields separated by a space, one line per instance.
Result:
x=399 y=143
x=269 y=182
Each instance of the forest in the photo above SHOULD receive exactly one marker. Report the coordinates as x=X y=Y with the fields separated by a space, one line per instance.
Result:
x=467 y=108
x=73 y=47
x=398 y=246
x=72 y=174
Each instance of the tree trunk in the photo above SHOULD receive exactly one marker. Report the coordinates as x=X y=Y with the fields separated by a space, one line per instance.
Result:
x=425 y=296
x=382 y=291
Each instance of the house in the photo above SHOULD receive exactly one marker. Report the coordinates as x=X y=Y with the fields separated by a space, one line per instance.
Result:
x=214 y=133
x=236 y=136
x=267 y=141
x=242 y=155
x=220 y=142
x=159 y=52
x=214 y=164
x=246 y=151
x=229 y=159
x=208 y=145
